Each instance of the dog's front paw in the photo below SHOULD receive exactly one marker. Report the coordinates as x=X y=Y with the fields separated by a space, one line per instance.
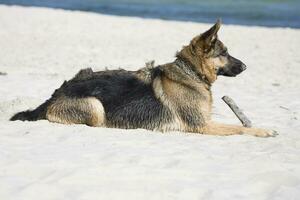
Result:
x=267 y=133
x=261 y=132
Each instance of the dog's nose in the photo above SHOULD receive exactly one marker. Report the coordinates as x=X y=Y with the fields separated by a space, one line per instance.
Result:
x=244 y=67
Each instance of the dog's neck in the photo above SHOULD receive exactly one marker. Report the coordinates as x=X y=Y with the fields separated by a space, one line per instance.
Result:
x=190 y=70
x=198 y=63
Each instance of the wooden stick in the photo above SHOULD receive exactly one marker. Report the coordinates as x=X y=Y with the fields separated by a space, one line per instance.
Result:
x=237 y=111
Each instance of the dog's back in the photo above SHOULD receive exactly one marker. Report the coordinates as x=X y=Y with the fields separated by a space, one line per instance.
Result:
x=111 y=98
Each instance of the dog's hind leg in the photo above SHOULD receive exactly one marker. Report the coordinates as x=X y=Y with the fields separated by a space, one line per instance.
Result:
x=66 y=110
x=213 y=128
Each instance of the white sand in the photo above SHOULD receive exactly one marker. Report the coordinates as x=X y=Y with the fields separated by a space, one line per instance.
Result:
x=39 y=48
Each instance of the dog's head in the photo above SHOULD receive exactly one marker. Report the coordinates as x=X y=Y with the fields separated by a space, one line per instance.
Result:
x=209 y=56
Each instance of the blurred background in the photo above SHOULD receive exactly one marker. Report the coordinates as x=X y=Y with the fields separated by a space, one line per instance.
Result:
x=274 y=13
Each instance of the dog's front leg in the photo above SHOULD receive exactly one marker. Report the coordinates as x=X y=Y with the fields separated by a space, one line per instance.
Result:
x=213 y=128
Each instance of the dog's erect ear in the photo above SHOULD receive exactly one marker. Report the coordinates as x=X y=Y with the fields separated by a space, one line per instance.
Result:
x=210 y=36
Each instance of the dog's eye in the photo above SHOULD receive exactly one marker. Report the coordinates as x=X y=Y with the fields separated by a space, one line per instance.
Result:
x=224 y=53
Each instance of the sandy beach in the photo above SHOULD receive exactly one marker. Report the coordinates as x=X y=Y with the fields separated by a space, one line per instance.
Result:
x=40 y=48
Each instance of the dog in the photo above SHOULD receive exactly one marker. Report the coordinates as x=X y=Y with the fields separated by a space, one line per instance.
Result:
x=172 y=97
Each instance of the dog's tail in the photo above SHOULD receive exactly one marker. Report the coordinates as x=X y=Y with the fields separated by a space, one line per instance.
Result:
x=32 y=115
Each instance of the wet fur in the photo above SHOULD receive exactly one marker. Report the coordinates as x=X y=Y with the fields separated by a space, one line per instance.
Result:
x=172 y=97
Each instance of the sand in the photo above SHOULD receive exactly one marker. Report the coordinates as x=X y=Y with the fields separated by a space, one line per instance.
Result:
x=39 y=48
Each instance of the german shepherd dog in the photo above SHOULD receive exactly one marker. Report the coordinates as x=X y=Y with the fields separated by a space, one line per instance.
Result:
x=172 y=97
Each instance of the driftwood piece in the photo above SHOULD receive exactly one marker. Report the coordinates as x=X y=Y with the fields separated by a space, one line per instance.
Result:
x=237 y=111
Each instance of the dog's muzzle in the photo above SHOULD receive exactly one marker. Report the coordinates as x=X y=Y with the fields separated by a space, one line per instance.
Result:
x=233 y=68
x=237 y=69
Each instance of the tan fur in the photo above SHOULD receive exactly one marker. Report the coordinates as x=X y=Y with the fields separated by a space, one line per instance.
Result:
x=197 y=59
x=216 y=63
x=159 y=91
x=174 y=89
x=213 y=128
x=79 y=111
